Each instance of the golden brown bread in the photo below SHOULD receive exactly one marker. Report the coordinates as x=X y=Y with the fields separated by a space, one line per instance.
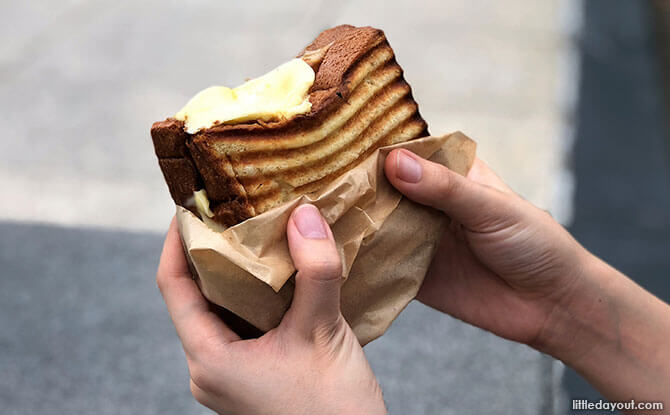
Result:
x=360 y=102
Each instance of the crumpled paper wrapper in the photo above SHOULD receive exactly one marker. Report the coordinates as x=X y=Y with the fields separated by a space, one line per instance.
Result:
x=386 y=243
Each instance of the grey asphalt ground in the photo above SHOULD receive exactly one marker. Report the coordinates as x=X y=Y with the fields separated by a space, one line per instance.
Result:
x=84 y=330
x=622 y=151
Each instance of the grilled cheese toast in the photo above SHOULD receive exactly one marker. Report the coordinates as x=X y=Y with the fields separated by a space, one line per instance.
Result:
x=359 y=101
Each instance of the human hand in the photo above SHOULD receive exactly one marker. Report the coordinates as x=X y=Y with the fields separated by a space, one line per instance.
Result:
x=508 y=267
x=503 y=264
x=311 y=363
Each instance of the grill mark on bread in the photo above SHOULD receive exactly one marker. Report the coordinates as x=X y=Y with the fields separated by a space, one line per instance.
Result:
x=383 y=131
x=372 y=105
x=404 y=132
x=370 y=137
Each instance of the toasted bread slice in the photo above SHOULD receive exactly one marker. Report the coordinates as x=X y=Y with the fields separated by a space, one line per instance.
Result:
x=360 y=102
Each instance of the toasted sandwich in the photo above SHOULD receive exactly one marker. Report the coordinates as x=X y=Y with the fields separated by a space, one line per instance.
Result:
x=231 y=154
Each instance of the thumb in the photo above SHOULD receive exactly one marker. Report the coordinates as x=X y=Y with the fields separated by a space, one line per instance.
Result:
x=316 y=299
x=478 y=207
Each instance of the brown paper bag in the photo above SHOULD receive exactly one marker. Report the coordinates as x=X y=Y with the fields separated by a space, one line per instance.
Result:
x=386 y=243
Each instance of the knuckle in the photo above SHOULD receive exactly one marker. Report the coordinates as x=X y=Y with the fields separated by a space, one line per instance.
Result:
x=329 y=267
x=547 y=214
x=160 y=282
x=443 y=181
x=332 y=335
x=198 y=394
x=200 y=379
x=203 y=346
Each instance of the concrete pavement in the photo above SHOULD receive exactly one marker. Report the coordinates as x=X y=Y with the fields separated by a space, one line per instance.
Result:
x=84 y=330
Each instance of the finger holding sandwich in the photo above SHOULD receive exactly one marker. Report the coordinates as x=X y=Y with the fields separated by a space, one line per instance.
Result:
x=478 y=274
x=316 y=301
x=313 y=347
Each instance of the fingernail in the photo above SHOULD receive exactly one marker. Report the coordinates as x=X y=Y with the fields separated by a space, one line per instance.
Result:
x=407 y=169
x=309 y=222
